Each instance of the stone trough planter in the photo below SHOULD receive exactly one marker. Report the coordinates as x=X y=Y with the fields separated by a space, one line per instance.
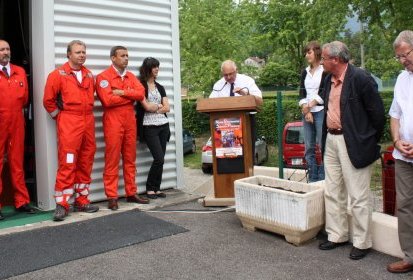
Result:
x=292 y=209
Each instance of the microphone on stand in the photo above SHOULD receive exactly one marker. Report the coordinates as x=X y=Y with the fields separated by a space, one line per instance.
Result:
x=221 y=88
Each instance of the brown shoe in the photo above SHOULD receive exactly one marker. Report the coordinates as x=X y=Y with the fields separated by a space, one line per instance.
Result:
x=113 y=204
x=400 y=267
x=136 y=199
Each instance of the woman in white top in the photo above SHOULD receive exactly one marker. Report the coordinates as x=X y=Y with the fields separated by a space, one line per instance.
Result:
x=153 y=126
x=312 y=109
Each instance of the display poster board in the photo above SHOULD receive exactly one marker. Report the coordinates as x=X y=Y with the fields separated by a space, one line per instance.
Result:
x=229 y=144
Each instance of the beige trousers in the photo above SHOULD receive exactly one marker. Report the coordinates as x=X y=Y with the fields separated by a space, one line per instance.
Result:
x=346 y=186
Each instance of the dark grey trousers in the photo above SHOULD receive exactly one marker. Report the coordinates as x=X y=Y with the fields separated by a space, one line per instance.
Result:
x=404 y=199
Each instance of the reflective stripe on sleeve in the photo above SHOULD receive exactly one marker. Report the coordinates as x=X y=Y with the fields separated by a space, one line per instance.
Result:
x=54 y=113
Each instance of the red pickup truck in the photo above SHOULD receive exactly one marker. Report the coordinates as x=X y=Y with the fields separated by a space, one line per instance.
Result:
x=294 y=148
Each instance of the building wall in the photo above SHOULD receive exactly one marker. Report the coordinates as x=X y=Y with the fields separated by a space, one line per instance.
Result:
x=146 y=28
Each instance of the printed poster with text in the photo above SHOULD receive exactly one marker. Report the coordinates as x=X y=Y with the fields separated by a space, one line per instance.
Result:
x=228 y=138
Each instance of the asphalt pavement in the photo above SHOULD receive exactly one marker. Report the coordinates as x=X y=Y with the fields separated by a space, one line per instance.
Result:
x=217 y=247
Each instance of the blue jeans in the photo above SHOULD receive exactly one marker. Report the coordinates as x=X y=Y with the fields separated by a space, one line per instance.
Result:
x=312 y=136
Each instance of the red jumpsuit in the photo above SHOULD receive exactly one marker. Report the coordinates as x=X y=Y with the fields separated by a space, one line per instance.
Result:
x=119 y=127
x=71 y=104
x=14 y=95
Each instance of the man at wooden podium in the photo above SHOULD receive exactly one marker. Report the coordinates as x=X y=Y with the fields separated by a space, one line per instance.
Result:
x=234 y=84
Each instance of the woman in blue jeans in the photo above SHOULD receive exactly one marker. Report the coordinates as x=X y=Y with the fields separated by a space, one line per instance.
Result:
x=153 y=126
x=312 y=108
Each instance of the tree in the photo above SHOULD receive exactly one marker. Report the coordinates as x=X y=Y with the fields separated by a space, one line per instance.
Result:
x=390 y=17
x=285 y=26
x=210 y=32
x=215 y=30
x=280 y=75
x=382 y=21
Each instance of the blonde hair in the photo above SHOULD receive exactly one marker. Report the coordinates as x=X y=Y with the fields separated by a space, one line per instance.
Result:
x=71 y=44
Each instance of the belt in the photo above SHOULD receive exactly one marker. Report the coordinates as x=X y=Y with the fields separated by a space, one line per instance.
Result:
x=79 y=113
x=335 y=131
x=156 y=126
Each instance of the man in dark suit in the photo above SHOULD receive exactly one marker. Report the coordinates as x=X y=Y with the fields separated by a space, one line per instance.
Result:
x=353 y=124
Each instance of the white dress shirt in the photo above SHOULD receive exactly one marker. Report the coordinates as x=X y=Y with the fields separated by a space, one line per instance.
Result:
x=222 y=88
x=7 y=67
x=312 y=84
x=402 y=109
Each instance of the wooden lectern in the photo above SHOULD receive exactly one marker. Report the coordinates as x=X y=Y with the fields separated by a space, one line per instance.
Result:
x=230 y=128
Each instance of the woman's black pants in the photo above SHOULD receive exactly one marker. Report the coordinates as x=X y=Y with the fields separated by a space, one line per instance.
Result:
x=156 y=138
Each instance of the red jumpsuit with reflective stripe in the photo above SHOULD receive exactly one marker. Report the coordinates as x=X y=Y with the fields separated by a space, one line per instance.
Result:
x=119 y=127
x=14 y=94
x=75 y=127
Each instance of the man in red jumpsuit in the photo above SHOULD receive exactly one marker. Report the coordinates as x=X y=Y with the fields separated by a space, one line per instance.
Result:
x=118 y=90
x=14 y=95
x=68 y=98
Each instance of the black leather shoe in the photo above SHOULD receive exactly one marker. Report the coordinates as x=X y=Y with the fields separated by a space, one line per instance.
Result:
x=1 y=216
x=151 y=195
x=161 y=194
x=358 y=254
x=328 y=245
x=26 y=208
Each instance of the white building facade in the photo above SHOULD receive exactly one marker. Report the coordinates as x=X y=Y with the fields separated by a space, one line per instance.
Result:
x=146 y=28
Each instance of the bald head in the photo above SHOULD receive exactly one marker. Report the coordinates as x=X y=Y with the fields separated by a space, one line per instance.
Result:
x=229 y=71
x=5 y=53
x=228 y=64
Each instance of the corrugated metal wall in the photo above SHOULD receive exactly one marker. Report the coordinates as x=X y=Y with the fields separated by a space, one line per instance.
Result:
x=145 y=28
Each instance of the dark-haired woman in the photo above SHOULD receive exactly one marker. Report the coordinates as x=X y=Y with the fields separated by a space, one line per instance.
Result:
x=153 y=124
x=312 y=108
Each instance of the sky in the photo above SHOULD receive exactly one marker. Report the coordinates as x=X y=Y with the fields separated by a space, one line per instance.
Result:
x=353 y=24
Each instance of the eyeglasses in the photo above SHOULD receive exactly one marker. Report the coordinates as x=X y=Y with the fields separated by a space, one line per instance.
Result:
x=398 y=57
x=326 y=58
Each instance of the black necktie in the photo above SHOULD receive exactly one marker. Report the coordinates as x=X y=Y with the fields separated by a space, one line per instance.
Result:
x=5 y=72
x=231 y=90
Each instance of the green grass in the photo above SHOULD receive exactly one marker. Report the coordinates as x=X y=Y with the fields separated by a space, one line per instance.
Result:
x=284 y=93
x=194 y=160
